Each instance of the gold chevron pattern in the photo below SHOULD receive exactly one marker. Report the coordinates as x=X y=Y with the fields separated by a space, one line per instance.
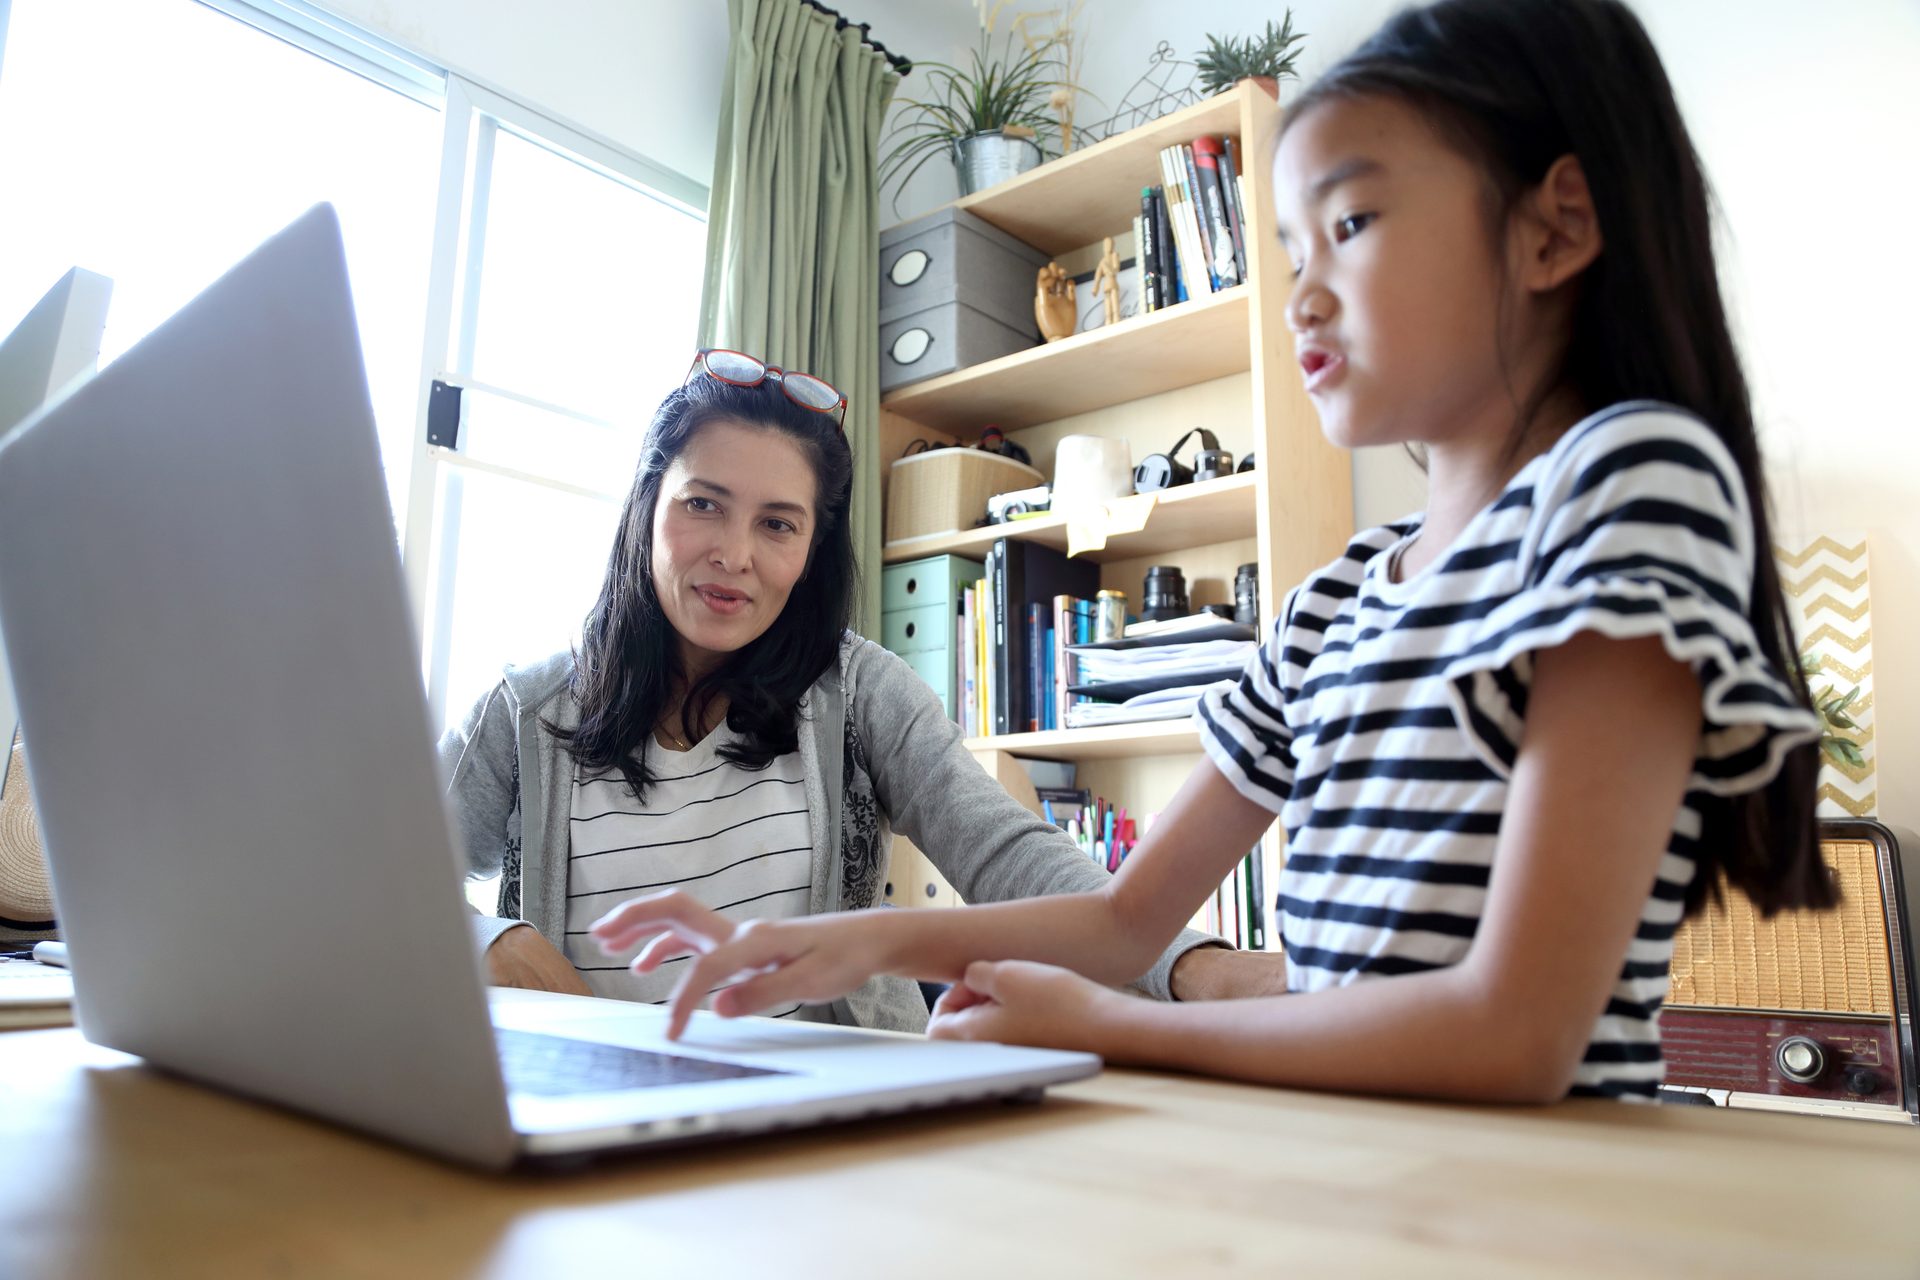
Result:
x=1826 y=603
x=1841 y=802
x=1823 y=574
x=1798 y=559
x=1826 y=583
x=1827 y=631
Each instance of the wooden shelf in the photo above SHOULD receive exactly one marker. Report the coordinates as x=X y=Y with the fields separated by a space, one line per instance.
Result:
x=1071 y=202
x=1191 y=515
x=1193 y=342
x=1109 y=742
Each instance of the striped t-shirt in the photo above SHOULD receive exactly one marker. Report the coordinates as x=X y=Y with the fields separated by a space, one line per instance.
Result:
x=736 y=839
x=1381 y=719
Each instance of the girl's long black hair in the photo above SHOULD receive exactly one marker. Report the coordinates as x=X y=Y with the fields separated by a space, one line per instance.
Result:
x=627 y=664
x=1514 y=85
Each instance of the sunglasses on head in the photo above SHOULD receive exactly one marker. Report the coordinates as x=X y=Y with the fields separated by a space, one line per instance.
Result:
x=738 y=369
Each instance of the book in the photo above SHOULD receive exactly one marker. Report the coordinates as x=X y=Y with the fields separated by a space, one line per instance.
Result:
x=34 y=995
x=1170 y=291
x=1226 y=259
x=1026 y=573
x=1236 y=212
x=1034 y=669
x=1188 y=253
x=1211 y=236
x=1145 y=250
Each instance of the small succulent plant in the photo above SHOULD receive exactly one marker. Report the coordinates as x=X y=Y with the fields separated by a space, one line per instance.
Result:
x=1833 y=707
x=1226 y=62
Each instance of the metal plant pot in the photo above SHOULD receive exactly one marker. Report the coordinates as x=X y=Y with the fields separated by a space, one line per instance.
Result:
x=983 y=159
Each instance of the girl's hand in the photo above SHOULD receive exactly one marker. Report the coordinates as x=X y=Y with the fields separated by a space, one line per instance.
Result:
x=814 y=959
x=1019 y=1002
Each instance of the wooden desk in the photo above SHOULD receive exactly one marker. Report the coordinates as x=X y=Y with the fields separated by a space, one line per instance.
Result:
x=112 y=1170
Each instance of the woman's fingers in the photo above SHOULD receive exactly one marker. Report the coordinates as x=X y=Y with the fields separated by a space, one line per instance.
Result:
x=671 y=945
x=637 y=919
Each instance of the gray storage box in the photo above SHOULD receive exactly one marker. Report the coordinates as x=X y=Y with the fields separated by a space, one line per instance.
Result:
x=941 y=339
x=954 y=291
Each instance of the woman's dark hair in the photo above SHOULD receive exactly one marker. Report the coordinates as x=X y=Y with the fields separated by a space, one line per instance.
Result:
x=1514 y=85
x=628 y=659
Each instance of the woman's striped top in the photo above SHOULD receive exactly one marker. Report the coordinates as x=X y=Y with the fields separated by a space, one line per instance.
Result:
x=736 y=839
x=1381 y=719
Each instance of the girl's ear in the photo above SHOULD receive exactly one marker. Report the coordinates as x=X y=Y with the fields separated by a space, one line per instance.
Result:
x=1560 y=232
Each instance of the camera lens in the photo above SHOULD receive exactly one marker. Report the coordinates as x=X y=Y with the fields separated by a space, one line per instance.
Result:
x=1246 y=595
x=1165 y=595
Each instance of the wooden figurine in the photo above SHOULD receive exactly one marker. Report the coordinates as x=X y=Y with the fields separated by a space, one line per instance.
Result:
x=1106 y=281
x=1053 y=308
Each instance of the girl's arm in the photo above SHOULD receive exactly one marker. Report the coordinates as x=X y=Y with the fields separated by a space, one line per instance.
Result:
x=1611 y=732
x=981 y=839
x=1112 y=934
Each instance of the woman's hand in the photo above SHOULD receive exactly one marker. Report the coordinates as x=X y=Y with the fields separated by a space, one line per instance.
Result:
x=813 y=959
x=1019 y=1002
x=520 y=957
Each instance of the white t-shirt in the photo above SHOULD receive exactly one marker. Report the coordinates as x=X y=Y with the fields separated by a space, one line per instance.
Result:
x=1381 y=719
x=736 y=839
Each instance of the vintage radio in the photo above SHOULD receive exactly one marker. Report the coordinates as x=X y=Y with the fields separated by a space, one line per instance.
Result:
x=1809 y=1011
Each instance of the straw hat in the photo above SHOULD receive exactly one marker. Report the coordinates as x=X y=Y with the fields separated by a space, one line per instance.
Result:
x=26 y=892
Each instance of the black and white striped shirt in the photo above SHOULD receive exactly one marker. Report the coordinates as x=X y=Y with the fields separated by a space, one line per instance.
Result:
x=1381 y=719
x=736 y=839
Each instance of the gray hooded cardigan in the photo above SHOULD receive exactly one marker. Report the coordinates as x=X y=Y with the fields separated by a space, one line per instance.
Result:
x=879 y=755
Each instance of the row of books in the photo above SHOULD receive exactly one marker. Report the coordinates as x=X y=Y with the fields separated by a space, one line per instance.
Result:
x=1237 y=909
x=1191 y=230
x=1012 y=630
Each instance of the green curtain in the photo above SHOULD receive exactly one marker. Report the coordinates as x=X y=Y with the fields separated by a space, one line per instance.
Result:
x=793 y=231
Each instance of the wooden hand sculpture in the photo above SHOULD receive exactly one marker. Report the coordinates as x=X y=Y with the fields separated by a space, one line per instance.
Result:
x=1053 y=306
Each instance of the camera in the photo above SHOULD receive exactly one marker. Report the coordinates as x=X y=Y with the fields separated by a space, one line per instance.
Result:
x=1002 y=507
x=1165 y=470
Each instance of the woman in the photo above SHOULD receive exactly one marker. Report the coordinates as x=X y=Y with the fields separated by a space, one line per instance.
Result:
x=721 y=733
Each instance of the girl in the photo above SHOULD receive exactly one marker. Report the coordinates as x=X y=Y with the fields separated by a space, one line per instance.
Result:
x=1514 y=740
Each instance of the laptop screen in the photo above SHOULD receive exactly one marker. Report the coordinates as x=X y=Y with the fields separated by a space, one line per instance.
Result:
x=54 y=345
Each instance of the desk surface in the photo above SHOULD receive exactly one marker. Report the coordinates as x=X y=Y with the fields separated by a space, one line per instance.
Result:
x=134 y=1173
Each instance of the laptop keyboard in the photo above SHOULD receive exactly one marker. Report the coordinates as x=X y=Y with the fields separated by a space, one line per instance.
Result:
x=555 y=1065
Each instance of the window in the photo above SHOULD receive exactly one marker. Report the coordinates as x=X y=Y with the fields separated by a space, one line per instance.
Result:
x=573 y=310
x=159 y=156
x=552 y=276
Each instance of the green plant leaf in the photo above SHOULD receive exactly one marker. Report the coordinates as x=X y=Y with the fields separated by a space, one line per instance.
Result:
x=1842 y=751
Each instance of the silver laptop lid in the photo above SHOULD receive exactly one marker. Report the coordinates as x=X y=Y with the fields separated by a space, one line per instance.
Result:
x=56 y=342
x=251 y=870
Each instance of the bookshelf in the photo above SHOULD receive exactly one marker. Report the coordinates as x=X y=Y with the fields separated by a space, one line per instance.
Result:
x=1225 y=361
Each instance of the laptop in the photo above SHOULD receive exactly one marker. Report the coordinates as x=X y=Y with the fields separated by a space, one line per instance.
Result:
x=55 y=343
x=237 y=788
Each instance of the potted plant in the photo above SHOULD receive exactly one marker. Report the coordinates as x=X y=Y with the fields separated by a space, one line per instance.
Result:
x=1265 y=59
x=1835 y=721
x=988 y=117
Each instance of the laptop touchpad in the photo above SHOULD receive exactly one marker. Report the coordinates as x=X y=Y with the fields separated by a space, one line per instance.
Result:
x=556 y=1065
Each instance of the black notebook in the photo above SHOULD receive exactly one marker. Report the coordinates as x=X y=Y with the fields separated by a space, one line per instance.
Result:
x=1027 y=573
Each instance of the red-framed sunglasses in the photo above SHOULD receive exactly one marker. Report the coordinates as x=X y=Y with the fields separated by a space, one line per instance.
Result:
x=738 y=369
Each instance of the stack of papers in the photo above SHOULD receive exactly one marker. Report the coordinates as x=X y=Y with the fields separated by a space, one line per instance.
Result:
x=1118 y=675
x=1151 y=682
x=34 y=995
x=1161 y=704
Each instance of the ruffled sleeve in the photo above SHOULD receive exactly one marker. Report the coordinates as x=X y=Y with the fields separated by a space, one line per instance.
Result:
x=1641 y=528
x=1242 y=725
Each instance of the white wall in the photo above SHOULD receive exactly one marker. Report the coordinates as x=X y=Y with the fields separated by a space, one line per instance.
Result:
x=644 y=73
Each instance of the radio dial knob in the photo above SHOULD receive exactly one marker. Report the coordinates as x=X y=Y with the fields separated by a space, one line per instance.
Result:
x=1800 y=1059
x=1862 y=1082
